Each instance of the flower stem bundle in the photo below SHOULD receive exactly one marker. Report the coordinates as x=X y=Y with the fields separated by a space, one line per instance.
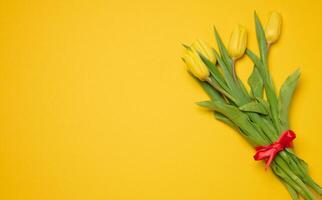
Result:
x=259 y=115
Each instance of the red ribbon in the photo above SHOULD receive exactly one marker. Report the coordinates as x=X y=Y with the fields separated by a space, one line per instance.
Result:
x=269 y=152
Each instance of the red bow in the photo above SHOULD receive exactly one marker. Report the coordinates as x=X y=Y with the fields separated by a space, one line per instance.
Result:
x=269 y=152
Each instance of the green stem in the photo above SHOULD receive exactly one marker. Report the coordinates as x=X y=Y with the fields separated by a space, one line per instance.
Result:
x=295 y=178
x=291 y=190
x=308 y=179
x=291 y=186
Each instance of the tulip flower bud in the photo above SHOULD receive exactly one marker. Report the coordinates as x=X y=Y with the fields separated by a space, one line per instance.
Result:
x=195 y=65
x=205 y=50
x=238 y=42
x=273 y=27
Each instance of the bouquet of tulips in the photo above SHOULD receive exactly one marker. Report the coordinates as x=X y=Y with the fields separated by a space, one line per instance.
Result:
x=259 y=115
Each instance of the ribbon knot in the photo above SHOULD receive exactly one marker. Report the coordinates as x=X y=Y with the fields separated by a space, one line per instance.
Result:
x=269 y=152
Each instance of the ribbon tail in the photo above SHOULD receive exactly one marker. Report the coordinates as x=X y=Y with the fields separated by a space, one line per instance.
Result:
x=263 y=154
x=270 y=159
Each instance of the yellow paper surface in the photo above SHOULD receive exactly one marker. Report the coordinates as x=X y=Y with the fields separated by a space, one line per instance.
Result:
x=95 y=102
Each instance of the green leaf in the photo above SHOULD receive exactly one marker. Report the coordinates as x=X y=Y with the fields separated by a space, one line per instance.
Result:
x=225 y=62
x=225 y=120
x=212 y=93
x=243 y=89
x=223 y=51
x=207 y=104
x=264 y=103
x=223 y=92
x=254 y=107
x=268 y=127
x=263 y=70
x=238 y=117
x=254 y=58
x=261 y=40
x=285 y=96
x=215 y=72
x=234 y=89
x=256 y=84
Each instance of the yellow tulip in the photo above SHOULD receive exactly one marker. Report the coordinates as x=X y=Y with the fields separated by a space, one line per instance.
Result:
x=205 y=50
x=273 y=27
x=238 y=42
x=195 y=65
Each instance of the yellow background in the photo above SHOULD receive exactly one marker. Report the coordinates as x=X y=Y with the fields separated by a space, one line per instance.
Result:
x=96 y=104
